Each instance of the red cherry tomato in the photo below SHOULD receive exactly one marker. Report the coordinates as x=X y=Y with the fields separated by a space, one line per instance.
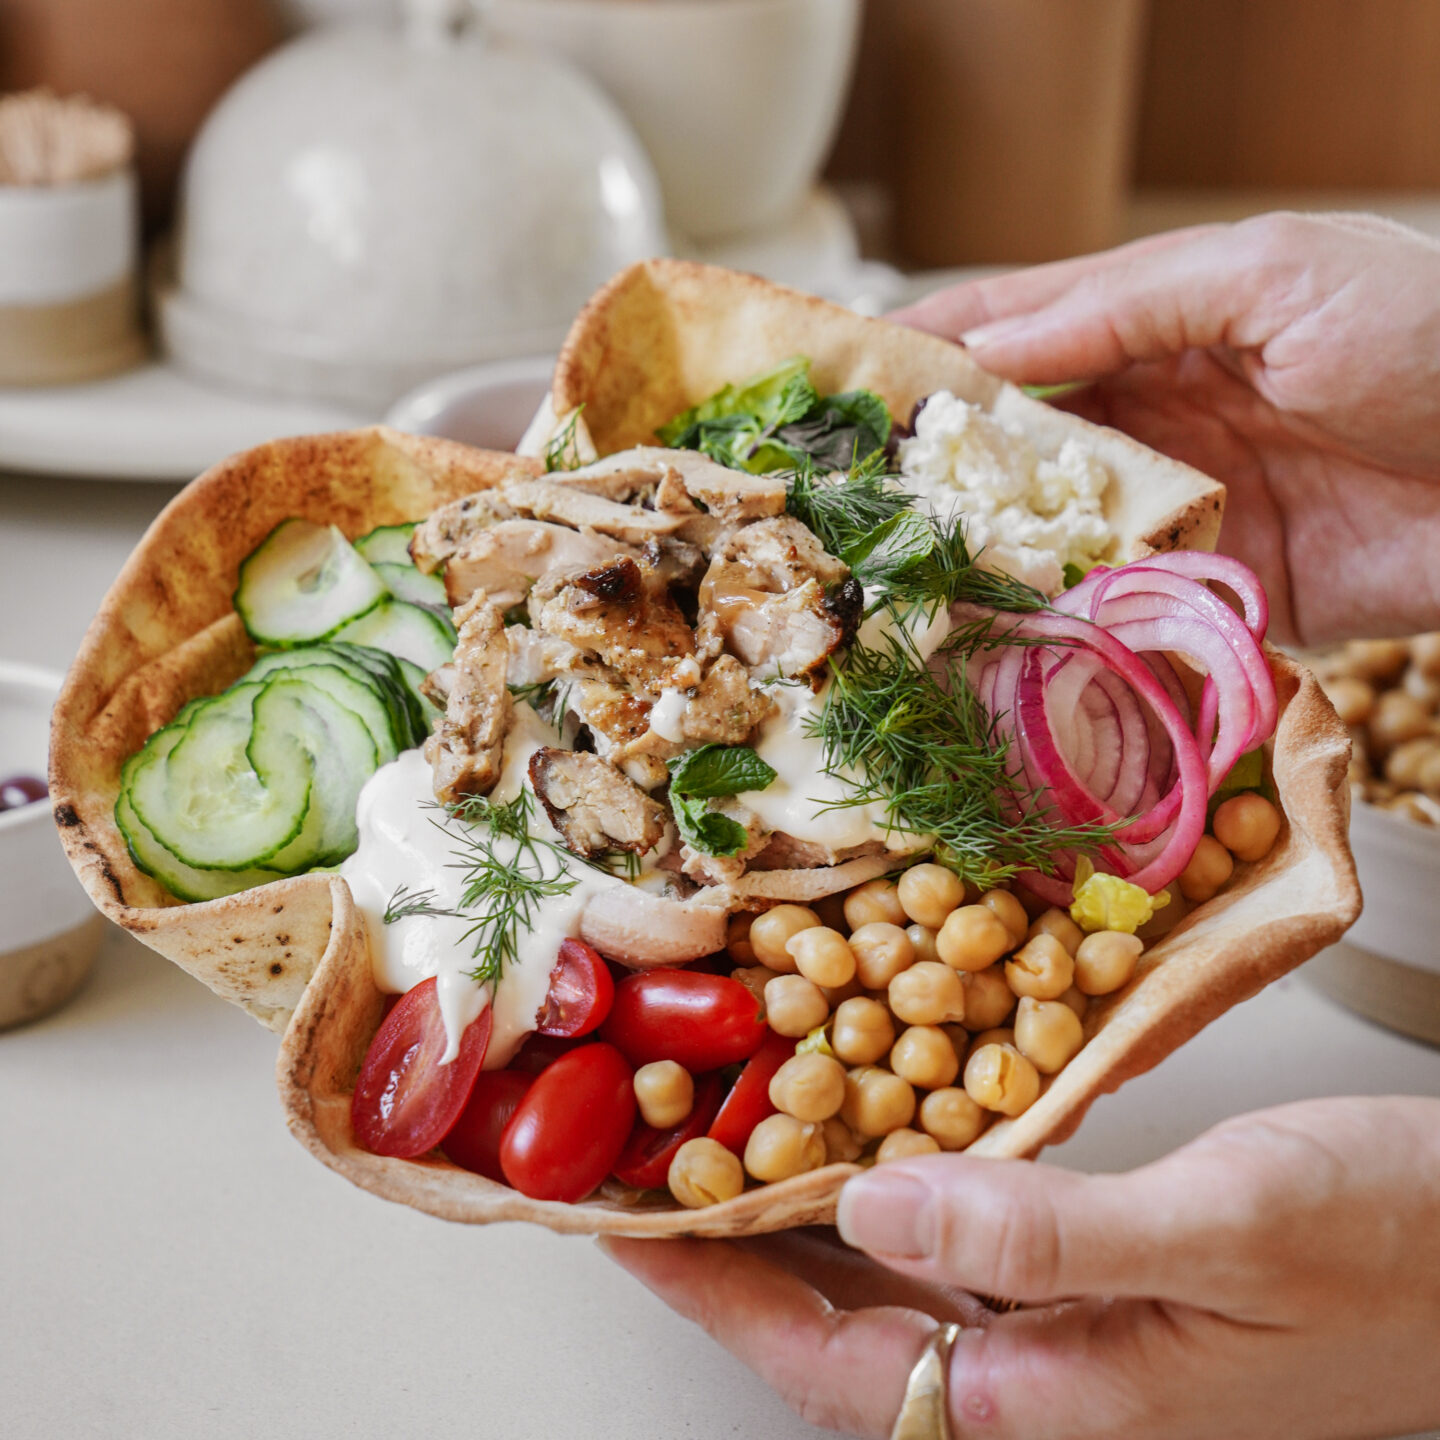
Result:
x=474 y=1140
x=571 y=1126
x=540 y=1051
x=703 y=1022
x=581 y=992
x=645 y=1160
x=748 y=1103
x=405 y=1099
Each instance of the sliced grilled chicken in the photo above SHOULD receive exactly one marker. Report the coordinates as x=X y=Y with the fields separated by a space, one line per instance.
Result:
x=507 y=558
x=592 y=805
x=652 y=474
x=724 y=710
x=454 y=525
x=564 y=502
x=467 y=747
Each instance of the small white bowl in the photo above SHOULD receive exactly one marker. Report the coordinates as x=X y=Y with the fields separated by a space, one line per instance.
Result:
x=51 y=932
x=737 y=103
x=1388 y=967
x=486 y=405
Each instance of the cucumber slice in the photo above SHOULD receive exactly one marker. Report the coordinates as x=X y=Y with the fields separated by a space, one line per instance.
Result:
x=302 y=582
x=341 y=752
x=387 y=544
x=405 y=582
x=349 y=684
x=205 y=801
x=407 y=631
x=430 y=712
x=180 y=879
x=387 y=672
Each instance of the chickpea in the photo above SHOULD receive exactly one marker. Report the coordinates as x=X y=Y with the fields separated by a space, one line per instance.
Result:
x=704 y=1172
x=988 y=999
x=754 y=978
x=822 y=955
x=1010 y=913
x=1061 y=926
x=771 y=930
x=1397 y=717
x=952 y=1117
x=1077 y=1000
x=809 y=1087
x=998 y=1077
x=1406 y=761
x=882 y=951
x=1106 y=961
x=781 y=1146
x=1352 y=698
x=924 y=1056
x=737 y=939
x=1209 y=868
x=876 y=1102
x=973 y=937
x=794 y=1006
x=928 y=893
x=665 y=1093
x=1048 y=1034
x=1376 y=659
x=863 y=1031
x=841 y=1147
x=927 y=994
x=1424 y=688
x=1425 y=653
x=1041 y=968
x=923 y=939
x=1000 y=1035
x=1246 y=825
x=874 y=901
x=902 y=1144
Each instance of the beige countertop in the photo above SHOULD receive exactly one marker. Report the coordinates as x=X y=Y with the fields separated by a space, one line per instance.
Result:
x=174 y=1265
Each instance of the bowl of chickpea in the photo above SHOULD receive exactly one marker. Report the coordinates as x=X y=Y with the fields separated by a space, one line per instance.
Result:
x=1388 y=694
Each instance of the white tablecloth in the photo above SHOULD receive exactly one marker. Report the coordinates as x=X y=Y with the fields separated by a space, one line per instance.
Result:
x=172 y=1264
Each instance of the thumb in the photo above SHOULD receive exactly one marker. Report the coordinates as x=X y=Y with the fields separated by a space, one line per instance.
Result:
x=1018 y=1230
x=1233 y=286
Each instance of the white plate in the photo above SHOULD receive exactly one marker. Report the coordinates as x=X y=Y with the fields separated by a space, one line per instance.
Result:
x=153 y=423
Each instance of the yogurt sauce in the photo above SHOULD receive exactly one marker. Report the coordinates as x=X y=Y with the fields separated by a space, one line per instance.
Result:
x=406 y=840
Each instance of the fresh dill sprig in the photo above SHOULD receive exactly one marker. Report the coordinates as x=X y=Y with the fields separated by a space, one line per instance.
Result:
x=563 y=451
x=914 y=739
x=535 y=694
x=841 y=511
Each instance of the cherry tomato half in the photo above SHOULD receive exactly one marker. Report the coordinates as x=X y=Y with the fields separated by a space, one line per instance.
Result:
x=474 y=1140
x=405 y=1099
x=703 y=1022
x=581 y=992
x=571 y=1126
x=645 y=1160
x=748 y=1103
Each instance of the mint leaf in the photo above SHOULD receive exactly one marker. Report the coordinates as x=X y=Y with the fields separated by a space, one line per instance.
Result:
x=894 y=547
x=703 y=830
x=719 y=770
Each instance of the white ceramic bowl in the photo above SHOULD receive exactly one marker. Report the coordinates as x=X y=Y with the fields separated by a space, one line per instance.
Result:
x=49 y=931
x=367 y=208
x=736 y=100
x=486 y=405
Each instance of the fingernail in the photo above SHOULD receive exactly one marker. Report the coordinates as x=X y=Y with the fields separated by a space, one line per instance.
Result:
x=994 y=332
x=886 y=1214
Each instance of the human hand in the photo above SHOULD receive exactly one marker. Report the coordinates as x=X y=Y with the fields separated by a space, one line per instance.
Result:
x=1278 y=1277
x=1294 y=358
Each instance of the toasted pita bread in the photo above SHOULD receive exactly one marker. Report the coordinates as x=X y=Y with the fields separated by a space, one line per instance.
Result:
x=294 y=953
x=666 y=334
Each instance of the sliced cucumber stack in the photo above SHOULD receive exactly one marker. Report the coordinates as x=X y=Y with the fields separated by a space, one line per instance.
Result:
x=387 y=544
x=406 y=631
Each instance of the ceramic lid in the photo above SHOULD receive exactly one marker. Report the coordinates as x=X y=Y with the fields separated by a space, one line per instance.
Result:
x=368 y=207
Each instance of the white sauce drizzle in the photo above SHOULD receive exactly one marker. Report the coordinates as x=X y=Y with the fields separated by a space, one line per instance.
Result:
x=667 y=713
x=405 y=841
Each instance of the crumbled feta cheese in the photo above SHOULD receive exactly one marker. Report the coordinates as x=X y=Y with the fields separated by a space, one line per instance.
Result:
x=1029 y=516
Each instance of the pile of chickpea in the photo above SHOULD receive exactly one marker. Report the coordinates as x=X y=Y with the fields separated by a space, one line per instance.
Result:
x=1388 y=693
x=920 y=1013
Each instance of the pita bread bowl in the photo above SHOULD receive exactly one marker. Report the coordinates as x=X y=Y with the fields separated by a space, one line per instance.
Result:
x=663 y=337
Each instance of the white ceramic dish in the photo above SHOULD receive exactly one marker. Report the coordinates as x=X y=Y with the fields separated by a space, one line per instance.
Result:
x=154 y=423
x=49 y=934
x=486 y=405
x=737 y=103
